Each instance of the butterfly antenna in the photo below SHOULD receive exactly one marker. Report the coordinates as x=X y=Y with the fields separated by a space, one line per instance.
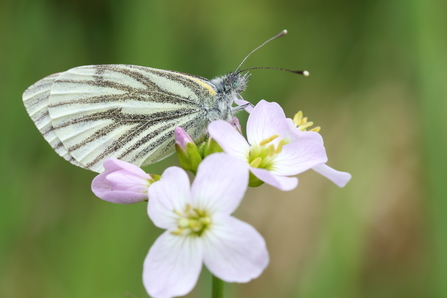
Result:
x=301 y=72
x=282 y=33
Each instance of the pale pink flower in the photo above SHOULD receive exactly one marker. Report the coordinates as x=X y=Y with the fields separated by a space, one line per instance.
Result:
x=122 y=183
x=339 y=178
x=200 y=228
x=274 y=149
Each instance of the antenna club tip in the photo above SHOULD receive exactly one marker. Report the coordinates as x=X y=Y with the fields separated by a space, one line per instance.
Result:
x=306 y=73
x=284 y=32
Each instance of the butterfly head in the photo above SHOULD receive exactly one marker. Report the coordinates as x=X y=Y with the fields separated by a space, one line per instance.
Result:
x=232 y=83
x=229 y=86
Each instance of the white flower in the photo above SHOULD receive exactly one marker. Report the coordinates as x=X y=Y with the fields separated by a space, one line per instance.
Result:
x=275 y=148
x=339 y=178
x=200 y=228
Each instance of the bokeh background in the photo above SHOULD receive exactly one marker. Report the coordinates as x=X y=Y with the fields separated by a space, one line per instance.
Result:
x=377 y=88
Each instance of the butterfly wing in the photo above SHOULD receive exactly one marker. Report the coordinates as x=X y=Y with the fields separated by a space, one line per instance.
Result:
x=35 y=99
x=91 y=113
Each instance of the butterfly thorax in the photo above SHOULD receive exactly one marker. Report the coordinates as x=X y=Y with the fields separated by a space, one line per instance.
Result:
x=228 y=87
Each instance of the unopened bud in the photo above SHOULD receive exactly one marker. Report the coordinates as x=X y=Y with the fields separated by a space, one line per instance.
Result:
x=187 y=151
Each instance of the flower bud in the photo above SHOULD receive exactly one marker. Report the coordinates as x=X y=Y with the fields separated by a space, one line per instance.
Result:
x=187 y=151
x=122 y=183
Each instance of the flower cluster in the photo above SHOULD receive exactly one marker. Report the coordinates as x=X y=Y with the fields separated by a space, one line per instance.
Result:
x=197 y=218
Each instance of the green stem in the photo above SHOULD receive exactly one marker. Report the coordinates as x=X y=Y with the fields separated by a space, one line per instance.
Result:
x=218 y=288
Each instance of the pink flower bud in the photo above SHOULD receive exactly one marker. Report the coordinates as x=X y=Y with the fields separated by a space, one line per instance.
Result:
x=182 y=138
x=187 y=152
x=122 y=183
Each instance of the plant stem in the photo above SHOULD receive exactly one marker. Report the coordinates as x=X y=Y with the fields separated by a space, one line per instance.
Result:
x=218 y=288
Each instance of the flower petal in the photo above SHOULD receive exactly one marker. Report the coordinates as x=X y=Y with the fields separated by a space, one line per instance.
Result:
x=169 y=194
x=339 y=178
x=298 y=157
x=231 y=141
x=266 y=120
x=234 y=251
x=280 y=182
x=236 y=124
x=241 y=102
x=123 y=180
x=113 y=164
x=220 y=183
x=172 y=266
x=123 y=197
x=101 y=187
x=296 y=134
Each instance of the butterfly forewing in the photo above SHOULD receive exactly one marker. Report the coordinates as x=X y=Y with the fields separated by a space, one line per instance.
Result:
x=36 y=101
x=91 y=113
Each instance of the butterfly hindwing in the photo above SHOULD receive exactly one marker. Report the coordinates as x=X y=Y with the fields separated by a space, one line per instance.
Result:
x=91 y=113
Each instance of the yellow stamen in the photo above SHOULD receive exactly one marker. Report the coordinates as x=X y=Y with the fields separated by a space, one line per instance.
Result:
x=268 y=140
x=297 y=118
x=205 y=220
x=302 y=124
x=256 y=162
x=195 y=226
x=271 y=150
x=280 y=145
x=306 y=125
x=183 y=223
x=177 y=232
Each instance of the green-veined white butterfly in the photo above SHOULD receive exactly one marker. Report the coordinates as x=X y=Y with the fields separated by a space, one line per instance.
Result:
x=91 y=113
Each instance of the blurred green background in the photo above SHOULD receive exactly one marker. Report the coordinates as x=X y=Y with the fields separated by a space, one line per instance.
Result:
x=377 y=88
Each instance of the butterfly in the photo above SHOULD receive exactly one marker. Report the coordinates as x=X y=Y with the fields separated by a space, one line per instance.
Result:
x=90 y=113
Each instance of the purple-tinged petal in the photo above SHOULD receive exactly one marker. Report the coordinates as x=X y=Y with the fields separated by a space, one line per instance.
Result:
x=298 y=157
x=113 y=164
x=100 y=185
x=266 y=119
x=234 y=251
x=121 y=183
x=241 y=102
x=280 y=182
x=294 y=134
x=339 y=178
x=169 y=194
x=182 y=138
x=236 y=124
x=122 y=180
x=172 y=266
x=220 y=184
x=231 y=141
x=123 y=197
x=101 y=190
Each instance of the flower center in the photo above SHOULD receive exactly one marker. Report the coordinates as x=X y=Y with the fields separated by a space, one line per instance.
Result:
x=302 y=124
x=263 y=155
x=192 y=222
